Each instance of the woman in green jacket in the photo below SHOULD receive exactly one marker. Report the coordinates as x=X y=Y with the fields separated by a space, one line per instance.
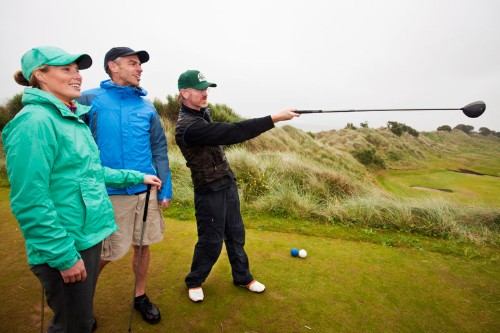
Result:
x=58 y=192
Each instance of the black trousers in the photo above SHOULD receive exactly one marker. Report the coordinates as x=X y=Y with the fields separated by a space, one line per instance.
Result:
x=72 y=303
x=218 y=219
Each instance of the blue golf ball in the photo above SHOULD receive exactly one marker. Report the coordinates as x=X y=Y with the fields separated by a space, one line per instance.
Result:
x=294 y=252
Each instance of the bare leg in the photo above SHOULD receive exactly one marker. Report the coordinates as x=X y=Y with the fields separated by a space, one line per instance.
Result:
x=143 y=269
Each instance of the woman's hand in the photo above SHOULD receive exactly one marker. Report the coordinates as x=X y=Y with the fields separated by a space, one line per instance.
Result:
x=153 y=180
x=75 y=273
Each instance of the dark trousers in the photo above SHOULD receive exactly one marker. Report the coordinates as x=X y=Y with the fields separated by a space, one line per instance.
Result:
x=72 y=303
x=219 y=220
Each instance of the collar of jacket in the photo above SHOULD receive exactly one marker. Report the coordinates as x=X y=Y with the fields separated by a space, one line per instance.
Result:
x=38 y=96
x=198 y=113
x=108 y=84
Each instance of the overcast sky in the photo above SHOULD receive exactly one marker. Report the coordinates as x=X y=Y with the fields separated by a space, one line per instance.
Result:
x=269 y=55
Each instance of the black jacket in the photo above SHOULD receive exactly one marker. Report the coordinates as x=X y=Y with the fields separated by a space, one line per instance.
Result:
x=200 y=141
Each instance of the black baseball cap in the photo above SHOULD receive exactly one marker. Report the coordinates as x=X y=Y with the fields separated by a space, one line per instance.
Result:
x=117 y=52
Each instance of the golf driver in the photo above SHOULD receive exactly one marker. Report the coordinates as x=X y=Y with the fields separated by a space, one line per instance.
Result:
x=139 y=254
x=472 y=110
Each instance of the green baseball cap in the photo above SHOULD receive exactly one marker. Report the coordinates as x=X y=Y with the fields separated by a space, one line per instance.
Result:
x=53 y=56
x=193 y=79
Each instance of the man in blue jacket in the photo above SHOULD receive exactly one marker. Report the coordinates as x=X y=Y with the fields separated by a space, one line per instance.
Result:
x=128 y=131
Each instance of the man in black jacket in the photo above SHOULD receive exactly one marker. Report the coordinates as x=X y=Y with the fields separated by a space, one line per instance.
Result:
x=216 y=198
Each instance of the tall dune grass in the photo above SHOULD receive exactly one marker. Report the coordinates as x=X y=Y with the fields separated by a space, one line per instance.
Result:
x=289 y=174
x=428 y=217
x=289 y=186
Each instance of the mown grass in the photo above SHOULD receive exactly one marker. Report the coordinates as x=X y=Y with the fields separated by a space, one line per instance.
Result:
x=463 y=188
x=342 y=286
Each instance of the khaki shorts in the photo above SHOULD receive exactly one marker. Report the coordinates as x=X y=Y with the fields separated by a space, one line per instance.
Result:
x=129 y=211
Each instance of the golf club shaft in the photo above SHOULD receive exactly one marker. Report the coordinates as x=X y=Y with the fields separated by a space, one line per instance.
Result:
x=144 y=216
x=471 y=110
x=371 y=110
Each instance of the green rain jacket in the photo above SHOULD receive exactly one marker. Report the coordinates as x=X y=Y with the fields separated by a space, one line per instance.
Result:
x=58 y=192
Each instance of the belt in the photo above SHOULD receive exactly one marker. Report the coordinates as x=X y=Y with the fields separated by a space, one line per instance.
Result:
x=140 y=192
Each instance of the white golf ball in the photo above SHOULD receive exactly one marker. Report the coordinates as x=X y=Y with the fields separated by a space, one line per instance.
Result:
x=302 y=253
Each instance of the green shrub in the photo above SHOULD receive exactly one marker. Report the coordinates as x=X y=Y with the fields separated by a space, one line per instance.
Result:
x=14 y=105
x=4 y=117
x=223 y=113
x=464 y=128
x=484 y=131
x=10 y=109
x=444 y=128
x=399 y=128
x=364 y=156
x=252 y=183
x=311 y=134
x=367 y=156
x=168 y=111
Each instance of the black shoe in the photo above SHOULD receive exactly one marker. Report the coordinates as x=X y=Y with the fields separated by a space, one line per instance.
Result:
x=94 y=326
x=149 y=311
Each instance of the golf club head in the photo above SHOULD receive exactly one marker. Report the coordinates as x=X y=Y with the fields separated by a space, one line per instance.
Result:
x=474 y=109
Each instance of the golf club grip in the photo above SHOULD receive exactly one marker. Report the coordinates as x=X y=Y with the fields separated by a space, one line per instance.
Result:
x=308 y=111
x=146 y=204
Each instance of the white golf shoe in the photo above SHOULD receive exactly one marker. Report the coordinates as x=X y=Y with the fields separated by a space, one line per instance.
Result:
x=255 y=286
x=196 y=294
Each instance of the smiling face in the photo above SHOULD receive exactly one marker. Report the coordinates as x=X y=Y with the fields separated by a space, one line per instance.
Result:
x=64 y=82
x=126 y=71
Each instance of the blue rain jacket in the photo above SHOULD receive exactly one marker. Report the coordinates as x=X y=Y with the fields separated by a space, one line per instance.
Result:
x=129 y=134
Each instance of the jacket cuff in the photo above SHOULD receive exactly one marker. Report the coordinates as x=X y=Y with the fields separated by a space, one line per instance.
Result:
x=69 y=263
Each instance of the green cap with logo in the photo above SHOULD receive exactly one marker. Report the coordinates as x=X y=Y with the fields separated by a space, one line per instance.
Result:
x=193 y=79
x=52 y=56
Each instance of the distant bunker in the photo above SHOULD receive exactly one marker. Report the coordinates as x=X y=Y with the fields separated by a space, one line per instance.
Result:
x=470 y=172
x=432 y=189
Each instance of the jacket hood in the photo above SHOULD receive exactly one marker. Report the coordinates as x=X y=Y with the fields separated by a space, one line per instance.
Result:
x=38 y=96
x=108 y=84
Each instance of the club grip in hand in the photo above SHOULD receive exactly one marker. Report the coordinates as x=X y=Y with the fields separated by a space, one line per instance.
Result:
x=308 y=111
x=146 y=204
